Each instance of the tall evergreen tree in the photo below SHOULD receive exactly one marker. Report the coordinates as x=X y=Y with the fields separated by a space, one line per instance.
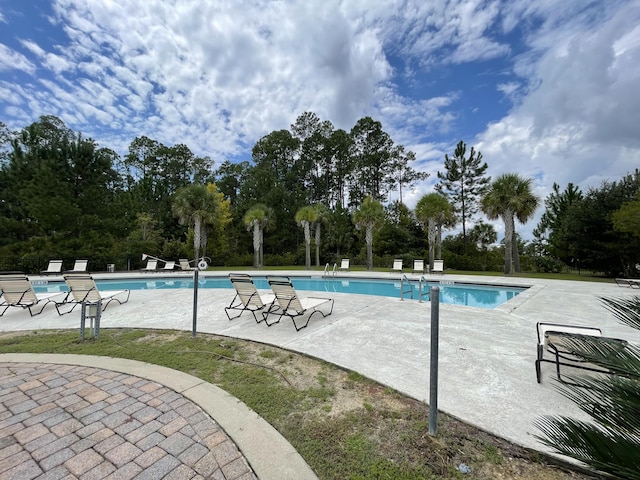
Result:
x=464 y=182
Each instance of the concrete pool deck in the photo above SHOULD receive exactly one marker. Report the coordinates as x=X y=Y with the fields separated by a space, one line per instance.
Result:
x=486 y=357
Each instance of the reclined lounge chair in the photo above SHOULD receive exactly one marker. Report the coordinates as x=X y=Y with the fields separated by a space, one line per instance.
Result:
x=18 y=292
x=628 y=282
x=247 y=297
x=418 y=266
x=556 y=339
x=344 y=265
x=438 y=266
x=291 y=305
x=82 y=288
x=54 y=268
x=151 y=266
x=80 y=266
x=397 y=266
x=169 y=266
x=185 y=265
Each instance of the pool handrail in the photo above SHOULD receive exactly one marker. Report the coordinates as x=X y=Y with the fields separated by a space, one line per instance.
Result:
x=404 y=279
x=421 y=293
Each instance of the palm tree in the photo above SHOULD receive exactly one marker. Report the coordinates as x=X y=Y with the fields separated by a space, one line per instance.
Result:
x=369 y=216
x=510 y=197
x=322 y=217
x=306 y=217
x=196 y=206
x=611 y=442
x=257 y=219
x=433 y=211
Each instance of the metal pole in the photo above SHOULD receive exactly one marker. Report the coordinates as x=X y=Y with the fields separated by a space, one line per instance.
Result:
x=195 y=301
x=433 y=371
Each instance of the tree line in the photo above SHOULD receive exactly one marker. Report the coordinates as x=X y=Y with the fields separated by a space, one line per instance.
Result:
x=64 y=196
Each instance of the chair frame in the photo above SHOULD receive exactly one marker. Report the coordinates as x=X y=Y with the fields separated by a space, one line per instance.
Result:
x=398 y=266
x=628 y=282
x=247 y=297
x=344 y=265
x=418 y=266
x=53 y=271
x=80 y=266
x=550 y=339
x=438 y=266
x=291 y=305
x=17 y=291
x=83 y=289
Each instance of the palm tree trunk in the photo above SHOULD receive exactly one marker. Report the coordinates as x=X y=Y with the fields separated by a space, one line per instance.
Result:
x=307 y=244
x=516 y=255
x=431 y=237
x=318 y=244
x=508 y=242
x=369 y=240
x=256 y=245
x=197 y=232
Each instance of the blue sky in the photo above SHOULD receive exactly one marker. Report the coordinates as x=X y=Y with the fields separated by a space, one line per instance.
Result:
x=549 y=89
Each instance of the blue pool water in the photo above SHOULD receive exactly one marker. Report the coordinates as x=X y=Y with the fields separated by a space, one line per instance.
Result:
x=483 y=296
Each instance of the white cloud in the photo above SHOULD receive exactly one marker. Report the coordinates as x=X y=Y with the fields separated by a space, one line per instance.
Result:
x=12 y=60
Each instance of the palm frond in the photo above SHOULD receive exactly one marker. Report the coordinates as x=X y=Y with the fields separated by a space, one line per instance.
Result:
x=606 y=450
x=627 y=310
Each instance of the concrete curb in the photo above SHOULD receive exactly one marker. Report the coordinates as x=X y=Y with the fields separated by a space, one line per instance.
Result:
x=270 y=455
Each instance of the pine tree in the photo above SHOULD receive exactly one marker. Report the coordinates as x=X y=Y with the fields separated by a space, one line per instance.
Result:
x=464 y=182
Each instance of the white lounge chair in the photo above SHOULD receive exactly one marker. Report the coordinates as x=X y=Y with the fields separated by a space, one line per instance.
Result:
x=17 y=291
x=397 y=266
x=185 y=264
x=556 y=339
x=291 y=305
x=80 y=266
x=438 y=266
x=247 y=297
x=418 y=266
x=83 y=289
x=344 y=265
x=169 y=266
x=54 y=268
x=151 y=266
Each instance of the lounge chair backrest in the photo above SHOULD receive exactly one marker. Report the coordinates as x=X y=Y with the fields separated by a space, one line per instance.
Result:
x=344 y=265
x=170 y=265
x=83 y=288
x=286 y=295
x=418 y=265
x=397 y=264
x=246 y=290
x=80 y=266
x=17 y=289
x=151 y=264
x=547 y=329
x=55 y=266
x=184 y=264
x=438 y=265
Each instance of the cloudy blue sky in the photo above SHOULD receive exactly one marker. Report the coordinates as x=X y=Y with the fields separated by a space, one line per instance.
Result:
x=546 y=88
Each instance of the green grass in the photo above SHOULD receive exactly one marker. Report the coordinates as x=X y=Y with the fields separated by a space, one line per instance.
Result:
x=344 y=425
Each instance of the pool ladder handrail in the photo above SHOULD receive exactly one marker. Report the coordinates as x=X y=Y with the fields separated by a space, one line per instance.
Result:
x=405 y=280
x=326 y=271
x=422 y=282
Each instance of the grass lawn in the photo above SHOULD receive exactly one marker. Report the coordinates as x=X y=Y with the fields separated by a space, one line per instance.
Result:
x=344 y=425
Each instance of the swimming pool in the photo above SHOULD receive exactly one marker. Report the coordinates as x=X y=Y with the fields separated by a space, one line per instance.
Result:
x=474 y=295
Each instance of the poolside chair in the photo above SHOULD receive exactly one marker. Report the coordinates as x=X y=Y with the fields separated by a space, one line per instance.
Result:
x=557 y=339
x=397 y=266
x=247 y=297
x=54 y=268
x=17 y=291
x=79 y=266
x=151 y=266
x=83 y=289
x=628 y=282
x=169 y=266
x=291 y=305
x=438 y=266
x=418 y=266
x=185 y=264
x=344 y=265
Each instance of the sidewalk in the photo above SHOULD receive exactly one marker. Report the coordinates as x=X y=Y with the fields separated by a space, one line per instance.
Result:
x=85 y=417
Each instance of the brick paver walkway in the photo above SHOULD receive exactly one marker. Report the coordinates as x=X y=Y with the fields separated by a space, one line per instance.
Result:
x=72 y=422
